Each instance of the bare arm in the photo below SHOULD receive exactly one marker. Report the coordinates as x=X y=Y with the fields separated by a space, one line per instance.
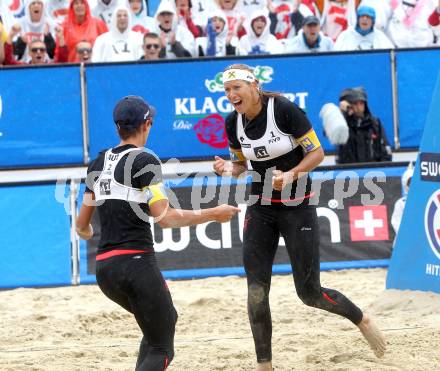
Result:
x=310 y=161
x=228 y=168
x=168 y=217
x=83 y=226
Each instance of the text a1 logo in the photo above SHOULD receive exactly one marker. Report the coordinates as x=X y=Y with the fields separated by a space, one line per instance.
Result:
x=261 y=152
x=368 y=223
x=104 y=187
x=432 y=222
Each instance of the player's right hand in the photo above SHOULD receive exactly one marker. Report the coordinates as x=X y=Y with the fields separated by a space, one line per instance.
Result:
x=222 y=167
x=224 y=213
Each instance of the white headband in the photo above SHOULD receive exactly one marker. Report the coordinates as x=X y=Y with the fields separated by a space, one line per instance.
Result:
x=237 y=74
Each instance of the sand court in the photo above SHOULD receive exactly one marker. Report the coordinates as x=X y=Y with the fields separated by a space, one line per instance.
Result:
x=79 y=329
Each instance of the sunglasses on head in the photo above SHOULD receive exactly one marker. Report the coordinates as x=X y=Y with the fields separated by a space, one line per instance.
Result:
x=152 y=46
x=37 y=49
x=84 y=50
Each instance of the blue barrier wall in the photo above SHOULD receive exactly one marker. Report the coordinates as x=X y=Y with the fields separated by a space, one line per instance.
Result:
x=35 y=230
x=35 y=237
x=40 y=117
x=416 y=77
x=40 y=108
x=212 y=249
x=192 y=106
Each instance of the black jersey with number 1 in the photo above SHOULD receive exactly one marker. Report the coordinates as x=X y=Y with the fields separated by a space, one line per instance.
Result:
x=278 y=138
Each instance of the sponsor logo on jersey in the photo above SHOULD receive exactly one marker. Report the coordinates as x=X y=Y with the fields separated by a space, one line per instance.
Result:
x=244 y=145
x=307 y=144
x=261 y=152
x=104 y=187
x=432 y=222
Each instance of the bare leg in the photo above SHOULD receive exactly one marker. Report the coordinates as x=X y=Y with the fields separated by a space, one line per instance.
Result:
x=264 y=366
x=373 y=335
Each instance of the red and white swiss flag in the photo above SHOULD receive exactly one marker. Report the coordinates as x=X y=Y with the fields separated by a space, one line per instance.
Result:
x=368 y=223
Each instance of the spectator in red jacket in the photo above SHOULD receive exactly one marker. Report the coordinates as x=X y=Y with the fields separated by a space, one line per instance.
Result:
x=80 y=25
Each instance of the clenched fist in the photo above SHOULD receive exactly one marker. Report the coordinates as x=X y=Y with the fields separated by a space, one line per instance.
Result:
x=282 y=178
x=222 y=167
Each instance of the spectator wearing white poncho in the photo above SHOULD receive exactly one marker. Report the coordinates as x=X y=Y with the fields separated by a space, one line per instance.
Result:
x=7 y=18
x=34 y=25
x=57 y=10
x=408 y=26
x=337 y=16
x=177 y=40
x=120 y=43
x=104 y=10
x=140 y=21
x=310 y=39
x=258 y=39
x=218 y=41
x=364 y=36
x=383 y=12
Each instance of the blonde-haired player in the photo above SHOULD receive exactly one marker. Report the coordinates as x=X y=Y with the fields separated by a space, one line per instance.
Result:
x=278 y=139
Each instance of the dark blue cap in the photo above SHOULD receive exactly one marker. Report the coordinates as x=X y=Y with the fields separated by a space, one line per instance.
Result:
x=132 y=111
x=311 y=19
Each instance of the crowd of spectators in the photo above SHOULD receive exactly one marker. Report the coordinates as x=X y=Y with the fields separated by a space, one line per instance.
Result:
x=56 y=31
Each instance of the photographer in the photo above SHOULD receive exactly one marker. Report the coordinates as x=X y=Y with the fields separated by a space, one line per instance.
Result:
x=366 y=141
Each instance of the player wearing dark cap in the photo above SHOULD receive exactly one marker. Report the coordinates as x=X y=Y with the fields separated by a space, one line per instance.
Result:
x=125 y=184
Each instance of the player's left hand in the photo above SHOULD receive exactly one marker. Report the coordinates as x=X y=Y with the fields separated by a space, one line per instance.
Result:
x=280 y=179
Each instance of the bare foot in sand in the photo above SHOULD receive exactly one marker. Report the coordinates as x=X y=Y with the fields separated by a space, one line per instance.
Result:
x=265 y=366
x=373 y=335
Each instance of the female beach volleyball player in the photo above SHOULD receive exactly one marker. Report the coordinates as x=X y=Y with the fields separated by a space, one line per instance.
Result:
x=278 y=139
x=126 y=182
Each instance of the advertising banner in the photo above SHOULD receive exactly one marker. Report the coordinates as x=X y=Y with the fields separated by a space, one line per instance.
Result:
x=416 y=77
x=191 y=104
x=35 y=237
x=415 y=263
x=40 y=117
x=354 y=210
